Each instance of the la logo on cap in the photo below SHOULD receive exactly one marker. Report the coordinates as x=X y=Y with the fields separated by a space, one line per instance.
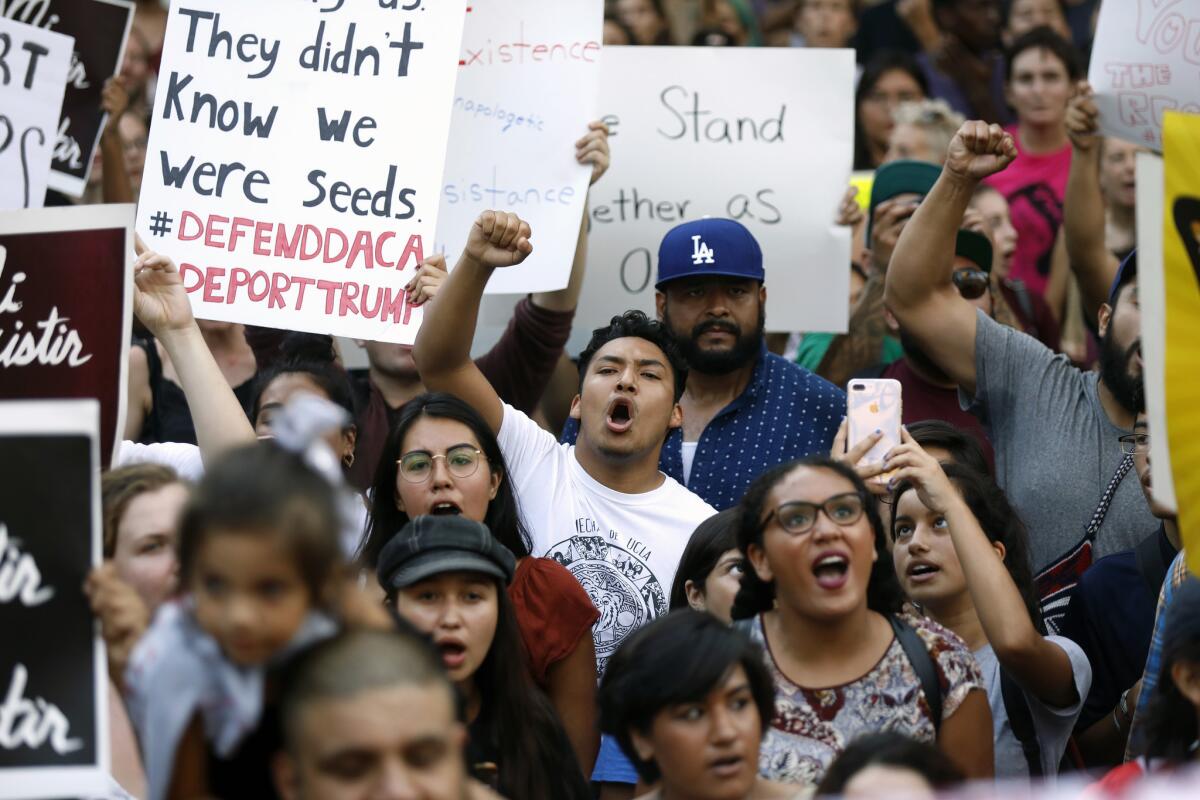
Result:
x=701 y=253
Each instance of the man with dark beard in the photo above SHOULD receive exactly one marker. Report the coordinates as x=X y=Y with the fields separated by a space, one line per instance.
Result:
x=744 y=409
x=1052 y=426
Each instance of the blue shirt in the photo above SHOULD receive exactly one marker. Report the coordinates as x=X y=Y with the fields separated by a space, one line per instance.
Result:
x=785 y=413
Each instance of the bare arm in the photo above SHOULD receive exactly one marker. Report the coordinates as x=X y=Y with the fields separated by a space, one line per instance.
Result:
x=443 y=347
x=160 y=302
x=1083 y=206
x=1037 y=663
x=966 y=737
x=919 y=290
x=591 y=149
x=115 y=186
x=1060 y=276
x=572 y=689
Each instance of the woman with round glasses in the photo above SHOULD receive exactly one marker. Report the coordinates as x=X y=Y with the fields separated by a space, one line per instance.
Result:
x=442 y=458
x=821 y=598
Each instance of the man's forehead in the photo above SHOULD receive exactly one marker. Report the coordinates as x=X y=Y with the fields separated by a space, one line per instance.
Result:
x=630 y=348
x=379 y=716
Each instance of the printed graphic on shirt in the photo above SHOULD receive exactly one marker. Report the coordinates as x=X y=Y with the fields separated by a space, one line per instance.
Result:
x=620 y=583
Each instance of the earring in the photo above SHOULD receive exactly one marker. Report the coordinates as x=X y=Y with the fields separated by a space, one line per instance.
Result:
x=348 y=459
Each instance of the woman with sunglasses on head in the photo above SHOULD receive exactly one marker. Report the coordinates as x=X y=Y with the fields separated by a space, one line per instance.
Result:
x=823 y=601
x=442 y=458
x=962 y=555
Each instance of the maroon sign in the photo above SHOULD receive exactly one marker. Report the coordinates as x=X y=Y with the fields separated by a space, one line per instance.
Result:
x=65 y=306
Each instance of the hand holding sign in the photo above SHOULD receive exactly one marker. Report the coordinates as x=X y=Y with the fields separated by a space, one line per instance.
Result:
x=429 y=278
x=498 y=239
x=159 y=299
x=593 y=149
x=979 y=150
x=1083 y=118
x=114 y=101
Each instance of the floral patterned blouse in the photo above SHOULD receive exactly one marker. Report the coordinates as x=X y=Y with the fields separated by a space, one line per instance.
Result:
x=811 y=727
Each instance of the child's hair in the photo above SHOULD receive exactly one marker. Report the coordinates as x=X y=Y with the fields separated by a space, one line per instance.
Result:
x=889 y=749
x=711 y=539
x=1000 y=523
x=261 y=489
x=119 y=487
x=756 y=596
x=503 y=517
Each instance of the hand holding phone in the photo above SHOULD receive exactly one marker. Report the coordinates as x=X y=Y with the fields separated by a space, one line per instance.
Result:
x=874 y=406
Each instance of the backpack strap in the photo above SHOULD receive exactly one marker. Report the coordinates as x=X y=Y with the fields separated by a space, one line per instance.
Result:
x=922 y=664
x=1016 y=706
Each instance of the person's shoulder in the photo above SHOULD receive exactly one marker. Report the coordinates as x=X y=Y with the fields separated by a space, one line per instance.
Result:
x=1107 y=573
x=545 y=575
x=796 y=375
x=937 y=637
x=684 y=502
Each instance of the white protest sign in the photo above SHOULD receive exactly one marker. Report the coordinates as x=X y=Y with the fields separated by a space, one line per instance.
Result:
x=1152 y=297
x=1145 y=61
x=761 y=135
x=295 y=157
x=33 y=79
x=527 y=83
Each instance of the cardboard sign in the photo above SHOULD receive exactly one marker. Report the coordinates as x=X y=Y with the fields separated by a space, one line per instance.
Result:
x=1145 y=62
x=99 y=28
x=33 y=78
x=66 y=286
x=1181 y=274
x=53 y=673
x=761 y=135
x=295 y=158
x=526 y=90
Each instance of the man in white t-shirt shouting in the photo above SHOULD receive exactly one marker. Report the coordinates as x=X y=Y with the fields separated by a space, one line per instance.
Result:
x=601 y=508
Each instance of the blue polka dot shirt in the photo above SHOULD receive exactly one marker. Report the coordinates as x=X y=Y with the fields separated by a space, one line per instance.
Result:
x=785 y=413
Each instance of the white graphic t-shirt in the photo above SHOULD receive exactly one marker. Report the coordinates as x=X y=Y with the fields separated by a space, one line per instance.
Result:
x=622 y=548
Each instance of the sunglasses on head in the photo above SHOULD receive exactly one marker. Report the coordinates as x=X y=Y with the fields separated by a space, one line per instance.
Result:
x=971 y=282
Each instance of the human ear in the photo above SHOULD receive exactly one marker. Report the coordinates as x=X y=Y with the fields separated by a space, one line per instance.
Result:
x=642 y=745
x=283 y=770
x=695 y=596
x=1103 y=318
x=757 y=557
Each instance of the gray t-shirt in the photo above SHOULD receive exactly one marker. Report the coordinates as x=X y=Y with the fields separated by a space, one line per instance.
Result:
x=1056 y=449
x=1052 y=725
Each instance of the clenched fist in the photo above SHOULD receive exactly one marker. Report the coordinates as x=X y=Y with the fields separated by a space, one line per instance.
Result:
x=979 y=150
x=499 y=239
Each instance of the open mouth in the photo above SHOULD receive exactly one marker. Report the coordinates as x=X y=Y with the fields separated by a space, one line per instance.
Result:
x=445 y=508
x=831 y=571
x=727 y=766
x=620 y=415
x=454 y=654
x=920 y=573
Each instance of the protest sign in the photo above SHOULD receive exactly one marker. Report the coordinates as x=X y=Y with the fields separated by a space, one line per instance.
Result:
x=760 y=135
x=526 y=91
x=99 y=28
x=53 y=674
x=1152 y=297
x=1145 y=61
x=65 y=302
x=33 y=78
x=295 y=158
x=1181 y=277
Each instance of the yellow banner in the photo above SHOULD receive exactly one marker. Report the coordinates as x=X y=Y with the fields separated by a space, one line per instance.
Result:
x=1181 y=268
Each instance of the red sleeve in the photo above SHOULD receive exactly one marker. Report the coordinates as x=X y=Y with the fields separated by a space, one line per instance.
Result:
x=1117 y=781
x=520 y=363
x=553 y=612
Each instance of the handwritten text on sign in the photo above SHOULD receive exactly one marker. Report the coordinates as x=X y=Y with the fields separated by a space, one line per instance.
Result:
x=1145 y=61
x=33 y=75
x=760 y=136
x=526 y=90
x=295 y=158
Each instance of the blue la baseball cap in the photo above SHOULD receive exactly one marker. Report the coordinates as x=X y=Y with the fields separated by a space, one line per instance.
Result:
x=709 y=246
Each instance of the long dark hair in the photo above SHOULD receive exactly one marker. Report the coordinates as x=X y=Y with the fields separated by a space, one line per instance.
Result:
x=1000 y=523
x=1171 y=726
x=884 y=62
x=503 y=516
x=312 y=355
x=714 y=536
x=756 y=596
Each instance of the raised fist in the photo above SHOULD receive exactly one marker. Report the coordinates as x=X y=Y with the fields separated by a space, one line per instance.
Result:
x=1083 y=118
x=979 y=150
x=499 y=239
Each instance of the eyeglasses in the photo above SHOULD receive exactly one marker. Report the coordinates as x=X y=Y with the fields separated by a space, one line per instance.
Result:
x=971 y=283
x=1132 y=443
x=800 y=517
x=417 y=466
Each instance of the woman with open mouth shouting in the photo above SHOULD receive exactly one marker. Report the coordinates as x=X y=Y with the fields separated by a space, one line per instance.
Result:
x=446 y=575
x=821 y=598
x=441 y=458
x=962 y=555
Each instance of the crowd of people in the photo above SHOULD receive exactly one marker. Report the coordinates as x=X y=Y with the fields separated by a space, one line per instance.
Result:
x=661 y=567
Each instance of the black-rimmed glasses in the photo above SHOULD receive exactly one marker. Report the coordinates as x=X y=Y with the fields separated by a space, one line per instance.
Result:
x=799 y=517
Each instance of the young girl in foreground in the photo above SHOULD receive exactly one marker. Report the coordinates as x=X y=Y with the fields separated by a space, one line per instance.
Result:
x=258 y=560
x=446 y=575
x=962 y=555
